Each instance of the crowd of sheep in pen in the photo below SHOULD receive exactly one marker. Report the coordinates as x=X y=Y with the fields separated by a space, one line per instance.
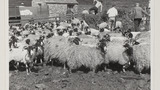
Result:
x=75 y=45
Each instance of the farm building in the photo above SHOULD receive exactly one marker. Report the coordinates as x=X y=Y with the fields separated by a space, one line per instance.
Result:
x=35 y=9
x=21 y=11
x=57 y=7
x=14 y=5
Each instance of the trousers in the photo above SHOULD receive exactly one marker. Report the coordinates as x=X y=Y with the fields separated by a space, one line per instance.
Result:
x=137 y=22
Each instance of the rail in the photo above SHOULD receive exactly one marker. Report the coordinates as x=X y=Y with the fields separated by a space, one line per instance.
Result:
x=60 y=17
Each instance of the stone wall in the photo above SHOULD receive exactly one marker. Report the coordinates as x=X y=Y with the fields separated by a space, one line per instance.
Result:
x=57 y=9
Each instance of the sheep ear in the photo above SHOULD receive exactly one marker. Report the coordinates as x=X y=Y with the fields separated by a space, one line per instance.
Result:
x=126 y=45
x=25 y=47
x=136 y=43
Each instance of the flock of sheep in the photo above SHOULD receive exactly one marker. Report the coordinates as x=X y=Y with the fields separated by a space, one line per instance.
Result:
x=75 y=45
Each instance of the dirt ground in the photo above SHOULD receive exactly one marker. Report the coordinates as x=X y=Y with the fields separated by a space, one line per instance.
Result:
x=56 y=78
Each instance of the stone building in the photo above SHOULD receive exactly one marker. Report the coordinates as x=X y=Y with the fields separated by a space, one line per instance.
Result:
x=57 y=7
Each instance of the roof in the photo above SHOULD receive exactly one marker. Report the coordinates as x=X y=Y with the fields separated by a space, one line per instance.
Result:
x=62 y=1
x=14 y=3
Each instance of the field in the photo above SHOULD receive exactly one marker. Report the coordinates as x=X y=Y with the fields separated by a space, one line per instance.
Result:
x=56 y=78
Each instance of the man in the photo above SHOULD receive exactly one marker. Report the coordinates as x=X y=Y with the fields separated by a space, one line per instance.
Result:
x=97 y=8
x=138 y=14
x=112 y=13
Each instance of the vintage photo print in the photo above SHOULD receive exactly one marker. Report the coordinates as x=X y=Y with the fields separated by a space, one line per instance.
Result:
x=79 y=44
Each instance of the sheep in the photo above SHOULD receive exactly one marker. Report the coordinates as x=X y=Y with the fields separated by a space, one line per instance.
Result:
x=143 y=37
x=64 y=24
x=94 y=32
x=74 y=55
x=118 y=24
x=87 y=39
x=135 y=34
x=116 y=52
x=13 y=41
x=39 y=50
x=54 y=49
x=141 y=52
x=32 y=38
x=25 y=33
x=103 y=25
x=79 y=55
x=75 y=22
x=141 y=57
x=23 y=55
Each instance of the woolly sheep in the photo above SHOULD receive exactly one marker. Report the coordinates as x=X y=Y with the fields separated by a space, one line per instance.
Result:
x=21 y=55
x=143 y=37
x=141 y=52
x=102 y=25
x=54 y=49
x=79 y=55
x=141 y=57
x=118 y=24
x=74 y=55
x=94 y=32
x=135 y=34
x=115 y=53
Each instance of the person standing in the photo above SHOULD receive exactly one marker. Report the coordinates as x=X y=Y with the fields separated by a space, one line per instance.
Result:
x=112 y=13
x=138 y=15
x=97 y=7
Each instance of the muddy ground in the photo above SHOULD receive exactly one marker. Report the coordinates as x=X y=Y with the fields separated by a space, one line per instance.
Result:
x=56 y=78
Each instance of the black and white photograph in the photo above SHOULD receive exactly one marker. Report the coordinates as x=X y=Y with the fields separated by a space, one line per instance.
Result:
x=79 y=44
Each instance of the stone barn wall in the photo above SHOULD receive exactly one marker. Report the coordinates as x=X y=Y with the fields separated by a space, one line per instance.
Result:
x=57 y=9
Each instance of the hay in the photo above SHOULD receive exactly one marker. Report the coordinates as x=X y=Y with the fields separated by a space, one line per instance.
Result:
x=141 y=57
x=82 y=55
